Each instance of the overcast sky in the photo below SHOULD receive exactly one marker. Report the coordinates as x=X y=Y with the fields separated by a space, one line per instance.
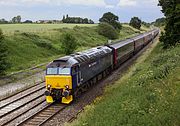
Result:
x=147 y=10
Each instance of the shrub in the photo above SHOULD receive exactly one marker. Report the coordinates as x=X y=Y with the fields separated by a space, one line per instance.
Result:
x=3 y=55
x=38 y=41
x=108 y=31
x=69 y=43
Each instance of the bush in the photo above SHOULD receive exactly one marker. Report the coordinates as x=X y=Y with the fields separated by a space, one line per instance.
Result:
x=3 y=55
x=108 y=31
x=44 y=43
x=38 y=41
x=69 y=43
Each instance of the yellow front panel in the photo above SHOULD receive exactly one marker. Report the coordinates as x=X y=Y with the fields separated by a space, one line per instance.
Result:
x=58 y=81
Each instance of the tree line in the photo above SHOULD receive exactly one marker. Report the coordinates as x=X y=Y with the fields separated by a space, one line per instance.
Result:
x=171 y=10
x=76 y=20
x=16 y=19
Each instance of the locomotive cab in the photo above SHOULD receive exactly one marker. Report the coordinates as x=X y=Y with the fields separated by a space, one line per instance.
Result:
x=58 y=79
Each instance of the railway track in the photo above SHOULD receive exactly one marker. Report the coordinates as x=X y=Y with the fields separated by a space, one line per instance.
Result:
x=18 y=104
x=43 y=115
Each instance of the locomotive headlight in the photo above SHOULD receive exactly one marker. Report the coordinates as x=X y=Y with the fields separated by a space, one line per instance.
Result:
x=48 y=86
x=67 y=86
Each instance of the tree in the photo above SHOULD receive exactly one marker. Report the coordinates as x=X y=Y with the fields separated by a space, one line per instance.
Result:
x=3 y=21
x=159 y=22
x=18 y=18
x=111 y=19
x=171 y=10
x=135 y=22
x=85 y=21
x=3 y=55
x=28 y=21
x=108 y=31
x=146 y=24
x=14 y=20
x=69 y=43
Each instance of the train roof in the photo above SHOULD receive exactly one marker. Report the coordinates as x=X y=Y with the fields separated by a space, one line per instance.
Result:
x=119 y=44
x=81 y=57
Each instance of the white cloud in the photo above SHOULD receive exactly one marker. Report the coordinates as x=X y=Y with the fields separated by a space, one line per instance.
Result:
x=127 y=3
x=54 y=2
x=84 y=2
x=35 y=1
x=124 y=3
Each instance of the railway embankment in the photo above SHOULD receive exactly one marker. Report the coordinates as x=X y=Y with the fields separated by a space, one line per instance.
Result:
x=148 y=94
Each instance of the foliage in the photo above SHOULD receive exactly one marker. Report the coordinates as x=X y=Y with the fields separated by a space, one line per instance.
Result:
x=148 y=95
x=146 y=24
x=111 y=19
x=3 y=55
x=28 y=21
x=69 y=43
x=171 y=9
x=3 y=21
x=135 y=22
x=159 y=22
x=77 y=20
x=108 y=31
x=16 y=19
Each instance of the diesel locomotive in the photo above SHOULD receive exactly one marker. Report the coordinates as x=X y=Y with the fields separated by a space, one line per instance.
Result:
x=67 y=77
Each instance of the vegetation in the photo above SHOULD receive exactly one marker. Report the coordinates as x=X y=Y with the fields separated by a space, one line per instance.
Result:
x=147 y=95
x=37 y=28
x=135 y=22
x=3 y=54
x=111 y=19
x=108 y=31
x=16 y=19
x=69 y=43
x=171 y=9
x=77 y=20
x=3 y=21
x=146 y=24
x=159 y=22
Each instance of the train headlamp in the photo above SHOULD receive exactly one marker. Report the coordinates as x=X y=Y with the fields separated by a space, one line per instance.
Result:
x=48 y=86
x=67 y=86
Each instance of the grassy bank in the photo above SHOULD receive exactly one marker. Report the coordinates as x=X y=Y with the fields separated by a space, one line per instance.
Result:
x=11 y=28
x=33 y=44
x=147 y=95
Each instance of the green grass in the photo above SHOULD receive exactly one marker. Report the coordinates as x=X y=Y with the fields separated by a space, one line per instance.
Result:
x=148 y=95
x=27 y=49
x=10 y=28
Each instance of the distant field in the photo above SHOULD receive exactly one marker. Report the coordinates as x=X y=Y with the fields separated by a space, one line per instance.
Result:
x=10 y=28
